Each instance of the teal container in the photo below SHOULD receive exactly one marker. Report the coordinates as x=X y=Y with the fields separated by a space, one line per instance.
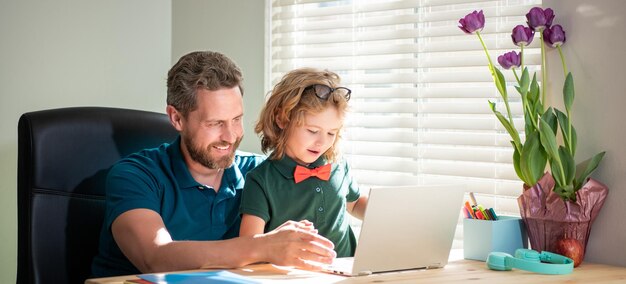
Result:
x=480 y=237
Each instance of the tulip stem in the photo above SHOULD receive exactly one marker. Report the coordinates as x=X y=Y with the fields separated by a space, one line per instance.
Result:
x=543 y=72
x=569 y=114
x=525 y=104
x=558 y=47
x=491 y=67
x=516 y=77
x=521 y=57
x=496 y=80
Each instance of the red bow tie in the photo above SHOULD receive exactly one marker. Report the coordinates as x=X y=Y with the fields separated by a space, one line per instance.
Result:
x=303 y=173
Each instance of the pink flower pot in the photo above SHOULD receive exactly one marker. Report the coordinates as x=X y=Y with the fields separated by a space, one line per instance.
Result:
x=548 y=218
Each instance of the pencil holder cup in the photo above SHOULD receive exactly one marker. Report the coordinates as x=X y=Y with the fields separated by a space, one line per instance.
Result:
x=481 y=237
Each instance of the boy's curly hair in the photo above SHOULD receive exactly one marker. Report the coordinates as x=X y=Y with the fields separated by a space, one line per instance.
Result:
x=288 y=103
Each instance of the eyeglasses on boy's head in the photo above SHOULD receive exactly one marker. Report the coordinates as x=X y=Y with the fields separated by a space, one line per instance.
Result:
x=323 y=91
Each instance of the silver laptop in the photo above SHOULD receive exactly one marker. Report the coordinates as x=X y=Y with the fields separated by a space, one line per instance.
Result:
x=407 y=227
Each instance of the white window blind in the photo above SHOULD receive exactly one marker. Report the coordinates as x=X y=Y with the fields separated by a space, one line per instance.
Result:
x=420 y=87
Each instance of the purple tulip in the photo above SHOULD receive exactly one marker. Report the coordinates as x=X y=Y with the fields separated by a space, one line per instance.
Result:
x=522 y=35
x=554 y=36
x=474 y=21
x=539 y=19
x=510 y=59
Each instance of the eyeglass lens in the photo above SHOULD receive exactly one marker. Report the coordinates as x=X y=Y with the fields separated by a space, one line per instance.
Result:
x=323 y=91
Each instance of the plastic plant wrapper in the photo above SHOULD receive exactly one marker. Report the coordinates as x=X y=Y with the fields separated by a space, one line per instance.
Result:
x=548 y=218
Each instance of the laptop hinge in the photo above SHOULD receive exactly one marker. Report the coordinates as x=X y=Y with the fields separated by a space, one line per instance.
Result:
x=434 y=266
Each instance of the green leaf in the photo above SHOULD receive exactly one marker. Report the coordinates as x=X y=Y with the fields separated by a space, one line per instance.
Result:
x=533 y=158
x=516 y=164
x=538 y=108
x=562 y=117
x=524 y=82
x=524 y=166
x=550 y=118
x=564 y=122
x=548 y=140
x=559 y=190
x=570 y=193
x=569 y=166
x=592 y=164
x=568 y=92
x=507 y=125
x=566 y=192
x=533 y=95
x=574 y=141
x=557 y=174
x=501 y=83
x=528 y=122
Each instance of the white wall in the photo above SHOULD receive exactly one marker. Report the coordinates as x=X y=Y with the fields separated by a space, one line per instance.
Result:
x=110 y=53
x=235 y=28
x=594 y=54
x=73 y=53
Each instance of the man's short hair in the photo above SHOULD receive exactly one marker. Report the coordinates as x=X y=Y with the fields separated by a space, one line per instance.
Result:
x=200 y=69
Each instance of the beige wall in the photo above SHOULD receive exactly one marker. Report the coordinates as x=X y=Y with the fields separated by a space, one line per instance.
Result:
x=235 y=28
x=594 y=55
x=73 y=53
x=109 y=53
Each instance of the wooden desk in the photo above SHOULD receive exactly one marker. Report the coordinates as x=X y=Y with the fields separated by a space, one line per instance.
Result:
x=459 y=271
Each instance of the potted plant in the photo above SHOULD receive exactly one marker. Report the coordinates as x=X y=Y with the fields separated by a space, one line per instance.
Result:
x=559 y=206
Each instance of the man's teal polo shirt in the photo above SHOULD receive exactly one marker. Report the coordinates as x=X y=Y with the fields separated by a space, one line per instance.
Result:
x=158 y=179
x=272 y=195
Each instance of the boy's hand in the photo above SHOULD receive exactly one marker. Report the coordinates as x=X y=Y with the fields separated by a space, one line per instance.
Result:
x=298 y=244
x=305 y=225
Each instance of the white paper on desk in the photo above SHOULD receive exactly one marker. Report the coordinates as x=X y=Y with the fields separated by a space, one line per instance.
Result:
x=221 y=276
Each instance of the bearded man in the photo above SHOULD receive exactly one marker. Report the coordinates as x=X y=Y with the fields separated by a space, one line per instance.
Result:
x=176 y=207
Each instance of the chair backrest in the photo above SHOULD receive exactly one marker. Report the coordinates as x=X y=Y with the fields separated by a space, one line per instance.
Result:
x=63 y=158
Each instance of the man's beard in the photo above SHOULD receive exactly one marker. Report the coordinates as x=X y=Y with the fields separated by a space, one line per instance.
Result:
x=203 y=156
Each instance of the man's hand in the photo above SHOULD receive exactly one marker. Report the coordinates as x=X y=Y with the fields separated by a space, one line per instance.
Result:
x=297 y=244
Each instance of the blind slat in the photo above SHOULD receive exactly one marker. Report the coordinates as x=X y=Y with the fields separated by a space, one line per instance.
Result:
x=436 y=167
x=342 y=50
x=478 y=107
x=435 y=90
x=433 y=60
x=437 y=152
x=486 y=138
x=478 y=122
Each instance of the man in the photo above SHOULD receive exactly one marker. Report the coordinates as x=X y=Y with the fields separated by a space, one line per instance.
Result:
x=176 y=207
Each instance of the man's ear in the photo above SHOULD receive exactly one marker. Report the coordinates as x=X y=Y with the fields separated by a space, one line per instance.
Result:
x=176 y=118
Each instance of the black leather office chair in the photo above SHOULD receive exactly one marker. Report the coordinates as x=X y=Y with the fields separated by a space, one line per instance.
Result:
x=63 y=158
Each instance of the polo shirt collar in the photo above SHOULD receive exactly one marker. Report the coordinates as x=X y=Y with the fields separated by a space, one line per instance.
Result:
x=179 y=168
x=231 y=180
x=286 y=165
x=233 y=177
